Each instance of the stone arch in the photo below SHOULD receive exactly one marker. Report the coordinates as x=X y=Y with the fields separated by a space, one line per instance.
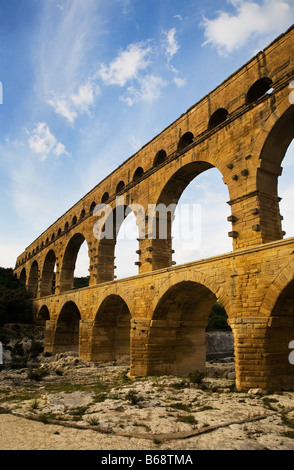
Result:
x=82 y=214
x=258 y=89
x=176 y=343
x=138 y=174
x=278 y=305
x=105 y=197
x=43 y=315
x=74 y=220
x=279 y=284
x=219 y=116
x=197 y=278
x=108 y=233
x=120 y=187
x=273 y=143
x=69 y=262
x=66 y=335
x=92 y=207
x=23 y=276
x=111 y=330
x=185 y=141
x=33 y=279
x=47 y=284
x=166 y=203
x=159 y=158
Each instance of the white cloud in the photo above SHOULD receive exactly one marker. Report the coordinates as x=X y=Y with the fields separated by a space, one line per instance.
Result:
x=126 y=66
x=149 y=89
x=178 y=17
x=251 y=21
x=43 y=142
x=62 y=107
x=79 y=102
x=84 y=98
x=171 y=43
x=180 y=82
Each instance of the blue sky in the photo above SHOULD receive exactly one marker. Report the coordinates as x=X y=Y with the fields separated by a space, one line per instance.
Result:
x=86 y=83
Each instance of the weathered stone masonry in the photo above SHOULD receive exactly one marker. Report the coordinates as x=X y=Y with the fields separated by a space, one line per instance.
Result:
x=243 y=128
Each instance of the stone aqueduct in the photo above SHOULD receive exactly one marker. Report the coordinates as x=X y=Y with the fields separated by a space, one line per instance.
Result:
x=243 y=128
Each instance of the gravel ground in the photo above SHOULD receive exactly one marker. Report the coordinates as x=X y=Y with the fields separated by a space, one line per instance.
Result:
x=66 y=404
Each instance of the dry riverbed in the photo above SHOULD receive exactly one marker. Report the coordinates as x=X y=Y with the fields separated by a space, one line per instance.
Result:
x=62 y=402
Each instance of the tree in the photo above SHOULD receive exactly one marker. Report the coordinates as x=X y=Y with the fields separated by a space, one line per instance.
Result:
x=15 y=302
x=218 y=318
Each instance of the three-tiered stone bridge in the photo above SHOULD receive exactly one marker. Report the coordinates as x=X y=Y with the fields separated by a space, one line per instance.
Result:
x=243 y=128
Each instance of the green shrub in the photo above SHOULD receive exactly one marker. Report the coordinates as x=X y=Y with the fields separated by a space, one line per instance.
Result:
x=196 y=377
x=133 y=397
x=37 y=374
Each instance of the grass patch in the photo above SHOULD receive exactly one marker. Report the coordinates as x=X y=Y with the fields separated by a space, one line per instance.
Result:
x=133 y=397
x=93 y=421
x=179 y=385
x=101 y=385
x=267 y=402
x=37 y=374
x=78 y=412
x=189 y=419
x=35 y=405
x=206 y=408
x=45 y=418
x=196 y=377
x=287 y=421
x=289 y=434
x=180 y=406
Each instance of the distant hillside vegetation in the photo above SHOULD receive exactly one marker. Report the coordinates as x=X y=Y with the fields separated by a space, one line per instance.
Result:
x=15 y=303
x=218 y=318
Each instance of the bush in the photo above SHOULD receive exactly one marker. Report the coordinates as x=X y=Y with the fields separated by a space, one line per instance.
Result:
x=37 y=374
x=196 y=377
x=132 y=397
x=36 y=349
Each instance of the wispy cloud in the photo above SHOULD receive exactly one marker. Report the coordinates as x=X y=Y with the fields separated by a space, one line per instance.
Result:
x=70 y=107
x=251 y=21
x=44 y=143
x=62 y=107
x=126 y=66
x=171 y=43
x=148 y=89
x=62 y=56
x=171 y=47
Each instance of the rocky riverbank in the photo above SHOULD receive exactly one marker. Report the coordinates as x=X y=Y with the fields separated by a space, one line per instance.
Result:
x=62 y=402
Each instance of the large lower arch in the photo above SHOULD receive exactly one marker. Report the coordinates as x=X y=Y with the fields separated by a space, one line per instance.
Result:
x=47 y=286
x=66 y=337
x=42 y=316
x=278 y=307
x=279 y=335
x=69 y=262
x=177 y=335
x=111 y=330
